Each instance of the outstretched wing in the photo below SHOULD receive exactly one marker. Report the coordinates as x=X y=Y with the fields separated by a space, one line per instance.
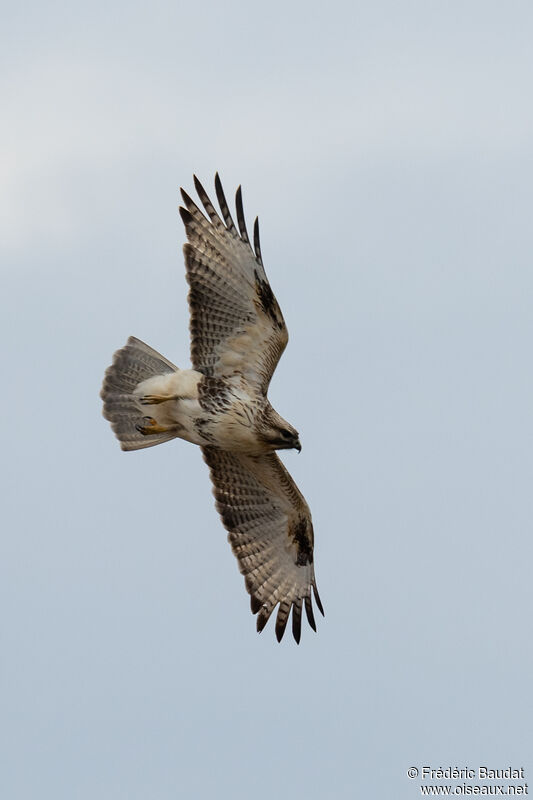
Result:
x=237 y=328
x=270 y=532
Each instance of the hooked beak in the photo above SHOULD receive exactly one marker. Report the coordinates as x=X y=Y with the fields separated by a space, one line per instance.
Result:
x=298 y=446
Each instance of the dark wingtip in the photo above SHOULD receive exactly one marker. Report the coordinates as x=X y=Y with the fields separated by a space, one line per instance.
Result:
x=282 y=619
x=219 y=190
x=261 y=622
x=255 y=604
x=257 y=244
x=240 y=216
x=297 y=621
x=206 y=202
x=263 y=617
x=186 y=215
x=198 y=186
x=186 y=198
x=317 y=600
x=309 y=613
x=221 y=197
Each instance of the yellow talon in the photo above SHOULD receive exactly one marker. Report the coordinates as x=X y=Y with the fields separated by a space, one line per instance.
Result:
x=154 y=399
x=151 y=426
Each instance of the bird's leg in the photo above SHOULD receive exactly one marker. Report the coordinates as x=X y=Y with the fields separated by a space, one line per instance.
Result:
x=155 y=399
x=151 y=426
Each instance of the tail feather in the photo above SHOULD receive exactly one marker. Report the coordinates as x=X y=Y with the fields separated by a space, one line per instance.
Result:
x=132 y=364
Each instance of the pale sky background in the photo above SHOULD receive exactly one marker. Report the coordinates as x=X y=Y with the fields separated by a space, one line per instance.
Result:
x=388 y=151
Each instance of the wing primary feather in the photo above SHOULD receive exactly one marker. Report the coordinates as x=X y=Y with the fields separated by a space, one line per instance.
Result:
x=257 y=245
x=309 y=612
x=255 y=604
x=189 y=202
x=281 y=619
x=206 y=202
x=297 y=619
x=263 y=617
x=240 y=216
x=186 y=215
x=317 y=599
x=223 y=204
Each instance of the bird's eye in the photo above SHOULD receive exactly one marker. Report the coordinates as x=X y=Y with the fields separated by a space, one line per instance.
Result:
x=286 y=434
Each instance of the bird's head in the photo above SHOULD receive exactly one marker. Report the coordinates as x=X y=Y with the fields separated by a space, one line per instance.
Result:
x=277 y=432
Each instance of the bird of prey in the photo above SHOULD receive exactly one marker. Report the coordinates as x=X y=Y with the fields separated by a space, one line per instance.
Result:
x=237 y=337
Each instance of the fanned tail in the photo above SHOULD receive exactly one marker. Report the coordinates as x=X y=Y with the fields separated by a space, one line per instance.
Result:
x=132 y=364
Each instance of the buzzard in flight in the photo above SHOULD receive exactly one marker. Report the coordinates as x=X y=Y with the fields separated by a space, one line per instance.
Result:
x=237 y=337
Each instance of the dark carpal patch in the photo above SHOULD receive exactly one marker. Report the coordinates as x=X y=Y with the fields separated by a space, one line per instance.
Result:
x=303 y=539
x=267 y=300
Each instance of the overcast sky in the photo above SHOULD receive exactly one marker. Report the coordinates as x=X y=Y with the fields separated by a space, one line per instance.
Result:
x=388 y=151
